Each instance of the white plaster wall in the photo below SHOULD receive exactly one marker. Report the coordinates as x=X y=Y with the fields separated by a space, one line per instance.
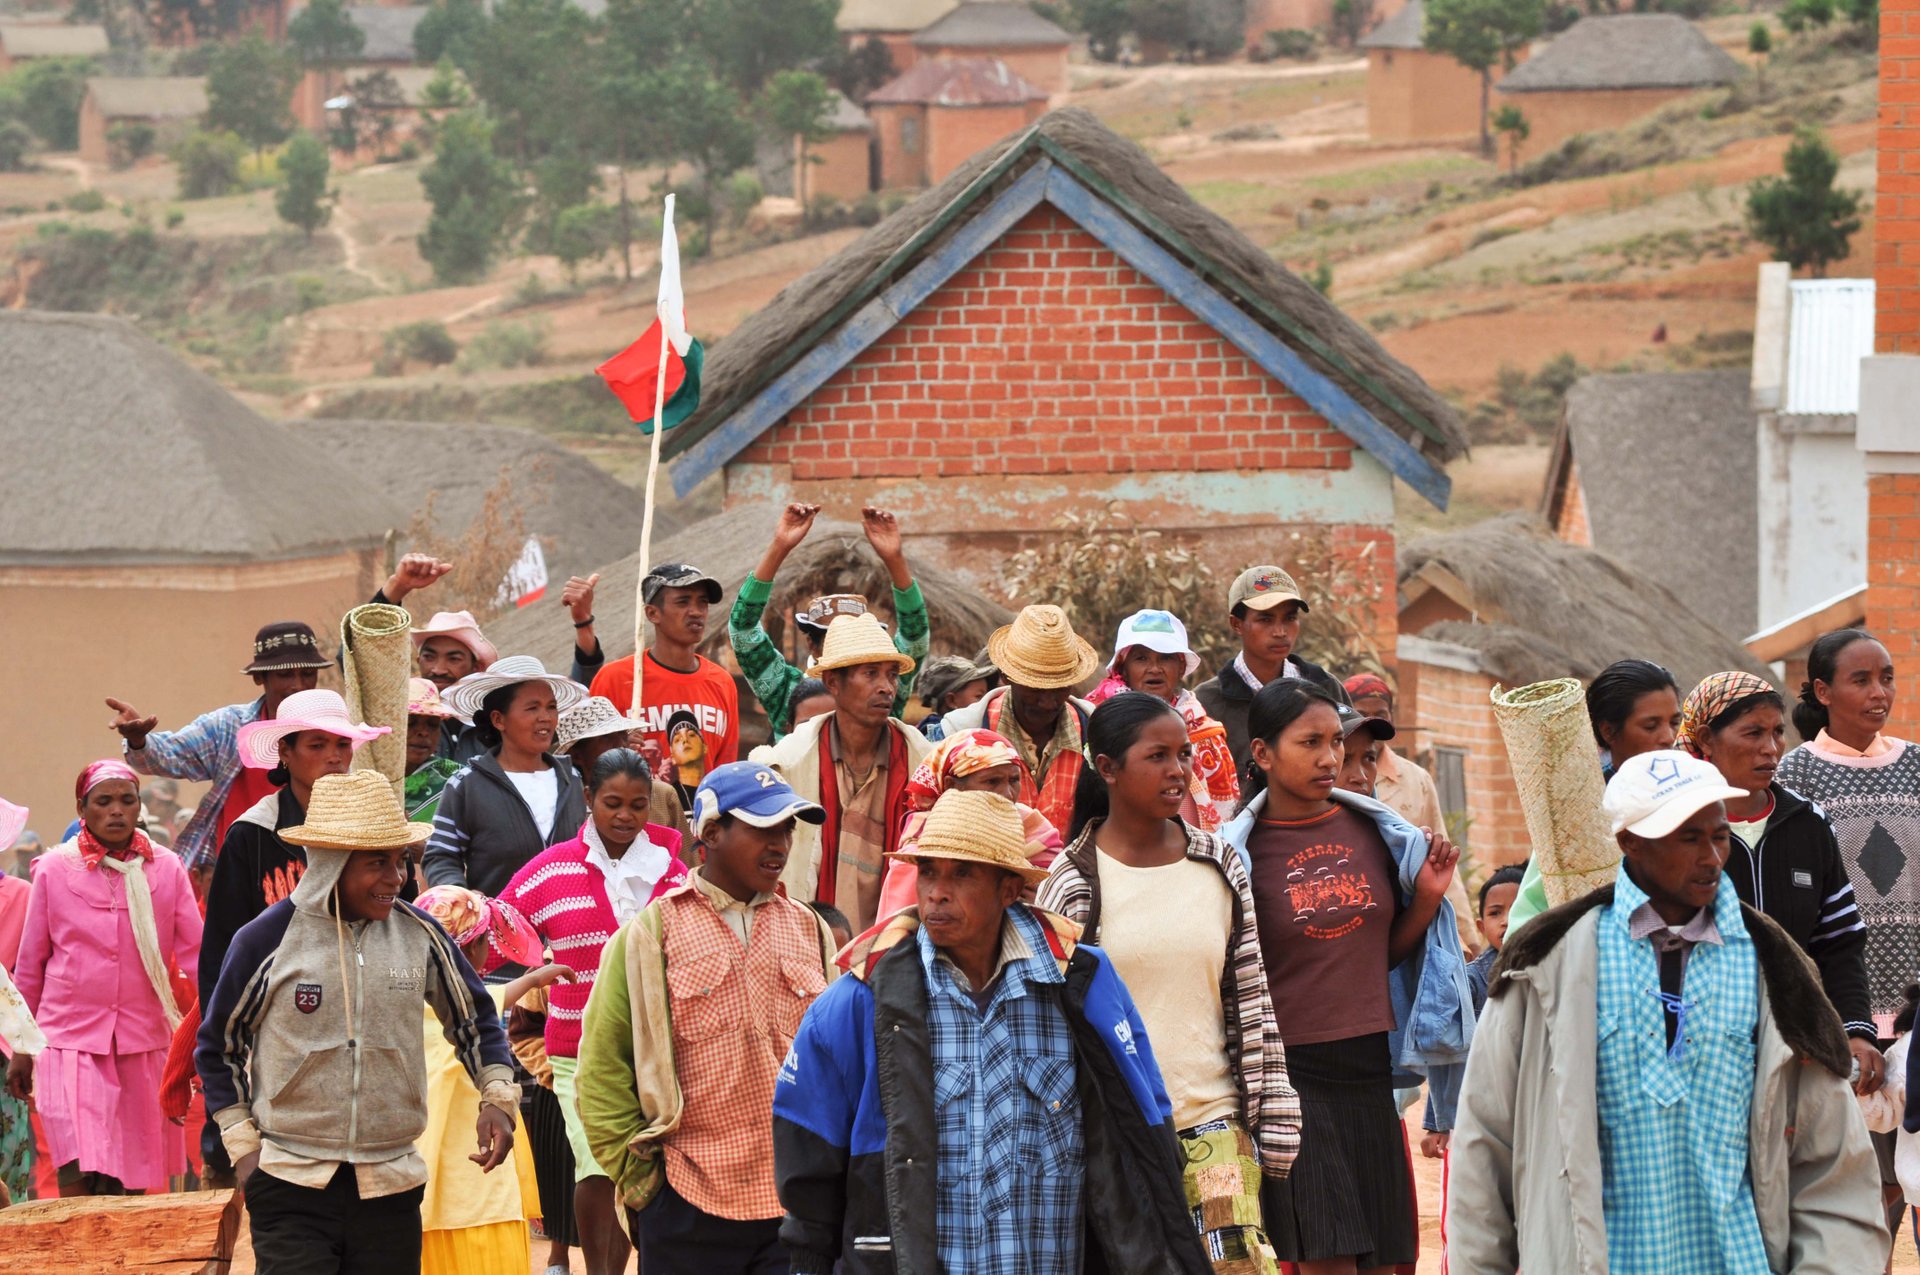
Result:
x=1813 y=515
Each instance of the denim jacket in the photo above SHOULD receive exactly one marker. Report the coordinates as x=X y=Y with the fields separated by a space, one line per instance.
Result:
x=1432 y=1000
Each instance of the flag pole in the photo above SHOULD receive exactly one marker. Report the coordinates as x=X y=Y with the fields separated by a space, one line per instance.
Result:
x=646 y=517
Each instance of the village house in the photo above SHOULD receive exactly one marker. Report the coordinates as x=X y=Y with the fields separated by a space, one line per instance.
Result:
x=1032 y=47
x=843 y=165
x=1603 y=72
x=388 y=31
x=1414 y=95
x=1059 y=327
x=1505 y=603
x=893 y=23
x=207 y=522
x=25 y=41
x=171 y=105
x=944 y=111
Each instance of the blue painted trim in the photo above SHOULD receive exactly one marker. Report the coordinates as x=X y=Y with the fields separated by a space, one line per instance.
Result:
x=871 y=322
x=1107 y=224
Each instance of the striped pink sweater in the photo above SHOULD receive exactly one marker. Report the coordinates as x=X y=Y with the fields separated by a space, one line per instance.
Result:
x=565 y=898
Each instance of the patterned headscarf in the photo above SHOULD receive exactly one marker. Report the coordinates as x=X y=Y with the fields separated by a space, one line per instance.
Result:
x=99 y=773
x=956 y=757
x=467 y=914
x=1711 y=698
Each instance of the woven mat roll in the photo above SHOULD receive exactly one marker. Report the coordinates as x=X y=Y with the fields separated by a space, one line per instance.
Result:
x=379 y=659
x=1550 y=748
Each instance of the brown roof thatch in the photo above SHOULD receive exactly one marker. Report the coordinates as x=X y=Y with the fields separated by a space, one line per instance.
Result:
x=116 y=451
x=992 y=26
x=958 y=82
x=807 y=311
x=1665 y=460
x=154 y=97
x=582 y=514
x=1404 y=30
x=52 y=40
x=834 y=559
x=890 y=15
x=1545 y=609
x=1625 y=51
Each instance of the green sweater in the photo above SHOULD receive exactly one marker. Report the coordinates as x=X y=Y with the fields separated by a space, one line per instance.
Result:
x=773 y=679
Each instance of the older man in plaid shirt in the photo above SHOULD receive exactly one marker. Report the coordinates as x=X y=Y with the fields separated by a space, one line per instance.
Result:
x=1680 y=1034
x=696 y=1003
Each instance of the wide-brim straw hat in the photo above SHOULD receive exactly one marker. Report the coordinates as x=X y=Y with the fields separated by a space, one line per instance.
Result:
x=462 y=628
x=595 y=717
x=1041 y=650
x=853 y=640
x=325 y=711
x=980 y=827
x=466 y=695
x=356 y=811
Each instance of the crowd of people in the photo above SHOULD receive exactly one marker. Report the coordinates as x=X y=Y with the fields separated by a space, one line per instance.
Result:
x=963 y=970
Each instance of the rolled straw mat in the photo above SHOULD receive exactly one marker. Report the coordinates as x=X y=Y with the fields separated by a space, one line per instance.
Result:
x=378 y=654
x=1550 y=749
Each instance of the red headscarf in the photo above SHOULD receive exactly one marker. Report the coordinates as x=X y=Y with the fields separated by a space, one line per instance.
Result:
x=91 y=849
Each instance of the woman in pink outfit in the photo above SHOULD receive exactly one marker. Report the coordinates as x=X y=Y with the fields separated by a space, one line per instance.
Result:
x=109 y=921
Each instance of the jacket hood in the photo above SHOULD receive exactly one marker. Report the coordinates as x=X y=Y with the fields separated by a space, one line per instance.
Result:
x=1806 y=1019
x=859 y=957
x=324 y=869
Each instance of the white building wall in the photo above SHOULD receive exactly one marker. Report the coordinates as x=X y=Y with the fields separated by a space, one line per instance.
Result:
x=1813 y=513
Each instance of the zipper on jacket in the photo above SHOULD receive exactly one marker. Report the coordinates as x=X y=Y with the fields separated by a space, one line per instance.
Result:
x=353 y=1041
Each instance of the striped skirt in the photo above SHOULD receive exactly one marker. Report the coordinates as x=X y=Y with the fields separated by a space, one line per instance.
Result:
x=1350 y=1193
x=552 y=1165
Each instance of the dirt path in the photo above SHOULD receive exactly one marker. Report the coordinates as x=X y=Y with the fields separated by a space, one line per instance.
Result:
x=81 y=170
x=1103 y=76
x=342 y=225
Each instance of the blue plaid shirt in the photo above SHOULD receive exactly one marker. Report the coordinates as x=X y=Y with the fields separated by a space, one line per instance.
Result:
x=1675 y=1175
x=1012 y=1160
x=206 y=748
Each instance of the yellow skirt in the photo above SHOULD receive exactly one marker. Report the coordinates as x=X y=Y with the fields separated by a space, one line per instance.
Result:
x=504 y=1248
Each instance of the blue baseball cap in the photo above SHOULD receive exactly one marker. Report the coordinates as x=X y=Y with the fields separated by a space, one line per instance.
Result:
x=753 y=794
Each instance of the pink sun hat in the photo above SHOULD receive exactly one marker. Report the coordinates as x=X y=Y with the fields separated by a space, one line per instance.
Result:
x=463 y=628
x=323 y=711
x=13 y=821
x=467 y=914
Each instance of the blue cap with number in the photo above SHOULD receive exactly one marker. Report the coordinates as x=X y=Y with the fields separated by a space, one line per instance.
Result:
x=753 y=794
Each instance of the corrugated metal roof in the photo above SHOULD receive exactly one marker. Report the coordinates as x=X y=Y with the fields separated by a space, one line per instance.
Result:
x=1830 y=329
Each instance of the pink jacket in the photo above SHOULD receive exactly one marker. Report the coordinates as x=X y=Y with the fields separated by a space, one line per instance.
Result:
x=79 y=968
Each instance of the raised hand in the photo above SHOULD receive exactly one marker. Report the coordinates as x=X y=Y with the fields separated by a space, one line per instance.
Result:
x=796 y=520
x=416 y=571
x=132 y=726
x=577 y=597
x=883 y=532
x=1437 y=872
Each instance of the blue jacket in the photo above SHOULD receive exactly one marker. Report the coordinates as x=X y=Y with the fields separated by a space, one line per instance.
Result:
x=854 y=1148
x=1432 y=999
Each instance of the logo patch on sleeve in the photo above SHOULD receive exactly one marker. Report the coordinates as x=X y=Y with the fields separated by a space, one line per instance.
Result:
x=306 y=997
x=1804 y=880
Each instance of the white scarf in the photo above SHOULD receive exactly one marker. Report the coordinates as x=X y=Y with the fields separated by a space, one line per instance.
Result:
x=630 y=878
x=146 y=936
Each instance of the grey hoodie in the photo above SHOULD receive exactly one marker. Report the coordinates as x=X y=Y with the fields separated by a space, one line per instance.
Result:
x=312 y=1035
x=483 y=831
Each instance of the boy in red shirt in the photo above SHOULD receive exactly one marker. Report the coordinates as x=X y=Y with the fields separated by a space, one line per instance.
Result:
x=678 y=678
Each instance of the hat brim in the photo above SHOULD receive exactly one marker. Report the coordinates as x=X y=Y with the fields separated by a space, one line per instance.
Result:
x=798 y=808
x=466 y=696
x=274 y=666
x=484 y=652
x=855 y=659
x=438 y=711
x=1171 y=648
x=339 y=839
x=1681 y=808
x=1268 y=601
x=259 y=742
x=715 y=590
x=1030 y=874
x=1020 y=673
x=1379 y=728
x=623 y=727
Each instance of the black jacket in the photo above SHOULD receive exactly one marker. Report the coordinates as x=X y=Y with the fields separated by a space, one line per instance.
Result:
x=483 y=830
x=1796 y=877
x=1227 y=697
x=255 y=870
x=869 y=1207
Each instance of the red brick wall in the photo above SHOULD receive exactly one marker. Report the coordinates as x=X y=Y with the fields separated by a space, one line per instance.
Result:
x=1893 y=587
x=902 y=133
x=1573 y=526
x=1451 y=708
x=1896 y=252
x=956 y=133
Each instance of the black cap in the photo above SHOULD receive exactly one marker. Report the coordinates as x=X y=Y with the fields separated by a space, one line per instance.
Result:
x=1352 y=719
x=678 y=575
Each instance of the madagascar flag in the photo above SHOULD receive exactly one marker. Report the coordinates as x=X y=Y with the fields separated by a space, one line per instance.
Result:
x=635 y=375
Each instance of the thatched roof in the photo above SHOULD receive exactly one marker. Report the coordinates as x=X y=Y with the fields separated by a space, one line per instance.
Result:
x=834 y=559
x=806 y=313
x=152 y=97
x=1404 y=30
x=116 y=451
x=583 y=514
x=958 y=82
x=845 y=117
x=1666 y=462
x=52 y=40
x=890 y=15
x=1625 y=51
x=992 y=26
x=1546 y=609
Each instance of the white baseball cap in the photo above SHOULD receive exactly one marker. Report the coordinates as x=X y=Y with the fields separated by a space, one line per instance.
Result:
x=1157 y=631
x=1652 y=794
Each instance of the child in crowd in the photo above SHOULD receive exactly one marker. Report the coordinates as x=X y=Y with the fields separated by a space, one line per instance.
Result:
x=1497 y=896
x=312 y=1059
x=836 y=921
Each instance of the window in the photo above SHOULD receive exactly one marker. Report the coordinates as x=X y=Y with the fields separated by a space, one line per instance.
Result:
x=1450 y=777
x=910 y=135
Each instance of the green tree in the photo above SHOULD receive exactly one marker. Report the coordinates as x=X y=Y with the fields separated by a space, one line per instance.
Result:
x=1106 y=23
x=706 y=125
x=303 y=200
x=860 y=70
x=634 y=92
x=474 y=197
x=1512 y=125
x=1760 y=44
x=1480 y=35
x=15 y=140
x=746 y=41
x=580 y=234
x=1799 y=215
x=46 y=95
x=250 y=87
x=325 y=38
x=797 y=104
x=377 y=102
x=450 y=29
x=534 y=67
x=1799 y=15
x=208 y=163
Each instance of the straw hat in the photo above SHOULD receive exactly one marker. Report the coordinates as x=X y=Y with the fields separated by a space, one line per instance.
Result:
x=981 y=827
x=853 y=640
x=465 y=696
x=423 y=699
x=462 y=628
x=1041 y=650
x=356 y=811
x=259 y=742
x=595 y=717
